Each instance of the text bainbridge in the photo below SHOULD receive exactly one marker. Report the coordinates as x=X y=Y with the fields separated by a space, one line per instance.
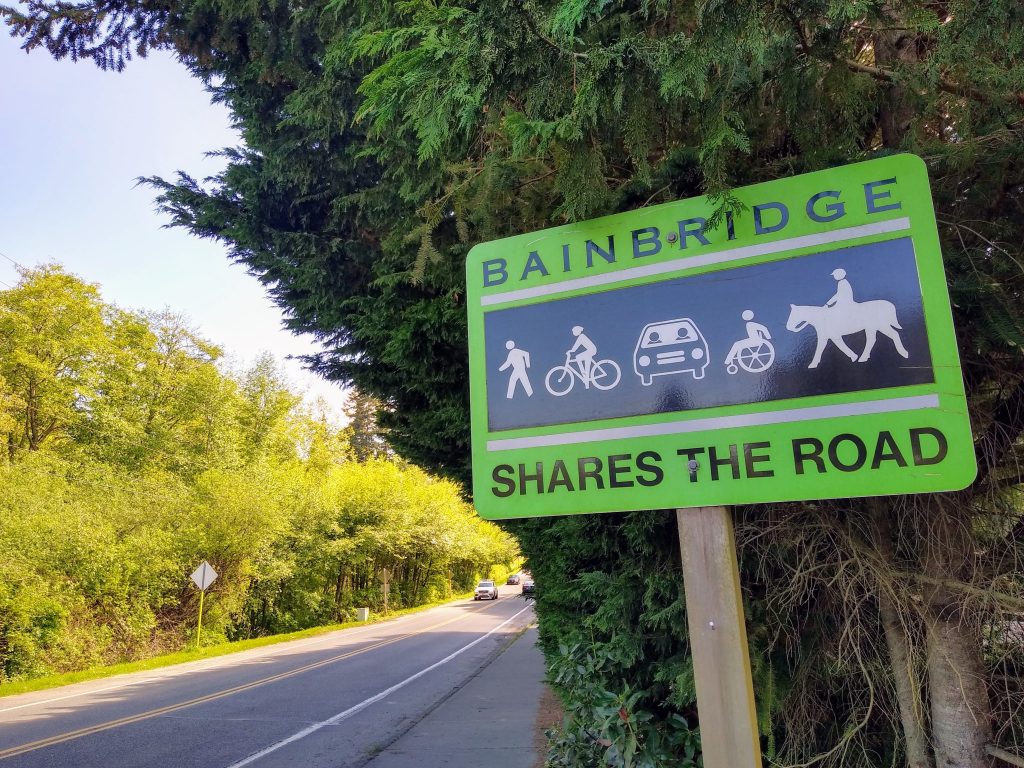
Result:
x=845 y=452
x=768 y=218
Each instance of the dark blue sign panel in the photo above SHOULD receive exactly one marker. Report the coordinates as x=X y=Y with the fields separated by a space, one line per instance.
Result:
x=839 y=321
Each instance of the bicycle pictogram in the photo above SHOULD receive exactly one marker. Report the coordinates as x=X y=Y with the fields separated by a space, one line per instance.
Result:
x=581 y=365
x=603 y=374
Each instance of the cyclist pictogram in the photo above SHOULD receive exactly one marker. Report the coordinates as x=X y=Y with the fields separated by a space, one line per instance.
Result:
x=580 y=364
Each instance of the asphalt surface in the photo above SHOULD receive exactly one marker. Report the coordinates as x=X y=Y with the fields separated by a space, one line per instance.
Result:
x=341 y=700
x=488 y=723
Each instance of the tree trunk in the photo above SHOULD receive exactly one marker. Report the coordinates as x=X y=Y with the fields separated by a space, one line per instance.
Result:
x=30 y=417
x=893 y=48
x=961 y=717
x=961 y=713
x=339 y=590
x=908 y=685
x=901 y=660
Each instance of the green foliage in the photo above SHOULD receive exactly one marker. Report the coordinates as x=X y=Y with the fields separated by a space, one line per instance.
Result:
x=51 y=328
x=158 y=459
x=608 y=728
x=610 y=593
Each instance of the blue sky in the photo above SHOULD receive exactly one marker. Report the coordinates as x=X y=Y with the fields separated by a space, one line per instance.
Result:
x=74 y=140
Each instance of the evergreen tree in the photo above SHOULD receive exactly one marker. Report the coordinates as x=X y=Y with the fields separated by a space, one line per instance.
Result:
x=364 y=439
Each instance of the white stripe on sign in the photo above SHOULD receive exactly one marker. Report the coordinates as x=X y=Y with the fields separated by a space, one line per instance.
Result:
x=892 y=405
x=689 y=262
x=372 y=700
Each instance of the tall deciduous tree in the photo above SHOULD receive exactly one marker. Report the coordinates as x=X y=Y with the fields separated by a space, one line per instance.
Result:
x=265 y=403
x=52 y=341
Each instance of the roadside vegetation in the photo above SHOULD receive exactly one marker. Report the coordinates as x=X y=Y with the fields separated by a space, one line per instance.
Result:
x=383 y=140
x=193 y=653
x=130 y=453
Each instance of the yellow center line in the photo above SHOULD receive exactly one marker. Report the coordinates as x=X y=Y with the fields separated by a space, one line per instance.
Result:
x=71 y=735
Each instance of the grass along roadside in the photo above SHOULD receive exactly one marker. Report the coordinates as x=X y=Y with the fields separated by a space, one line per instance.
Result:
x=196 y=654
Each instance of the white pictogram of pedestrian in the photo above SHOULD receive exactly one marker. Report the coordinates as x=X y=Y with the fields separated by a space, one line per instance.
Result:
x=580 y=364
x=842 y=316
x=753 y=354
x=518 y=360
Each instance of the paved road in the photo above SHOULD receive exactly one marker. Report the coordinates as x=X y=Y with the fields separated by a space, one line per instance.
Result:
x=334 y=701
x=490 y=722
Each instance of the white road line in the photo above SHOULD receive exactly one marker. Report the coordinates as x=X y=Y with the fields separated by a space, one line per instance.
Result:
x=220 y=661
x=689 y=262
x=891 y=405
x=372 y=700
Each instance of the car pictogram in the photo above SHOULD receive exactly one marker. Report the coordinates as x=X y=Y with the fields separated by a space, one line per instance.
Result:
x=670 y=346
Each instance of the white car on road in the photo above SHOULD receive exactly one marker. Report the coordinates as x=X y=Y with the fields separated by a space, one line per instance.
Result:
x=486 y=589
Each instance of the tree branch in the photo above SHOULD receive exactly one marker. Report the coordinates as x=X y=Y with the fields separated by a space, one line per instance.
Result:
x=945 y=85
x=1002 y=754
x=1007 y=601
x=1009 y=482
x=533 y=28
x=1004 y=429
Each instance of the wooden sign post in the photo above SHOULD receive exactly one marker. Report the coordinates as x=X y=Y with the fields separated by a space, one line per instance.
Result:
x=718 y=639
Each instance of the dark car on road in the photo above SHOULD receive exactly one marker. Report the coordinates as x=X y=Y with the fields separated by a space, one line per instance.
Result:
x=513 y=579
x=529 y=589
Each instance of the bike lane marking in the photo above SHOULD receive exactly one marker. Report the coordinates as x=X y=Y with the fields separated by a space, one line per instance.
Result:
x=373 y=699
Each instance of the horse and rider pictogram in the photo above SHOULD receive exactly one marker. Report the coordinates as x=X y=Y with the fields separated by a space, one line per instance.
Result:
x=843 y=316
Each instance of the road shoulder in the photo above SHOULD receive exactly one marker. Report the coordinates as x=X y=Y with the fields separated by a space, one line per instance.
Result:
x=490 y=721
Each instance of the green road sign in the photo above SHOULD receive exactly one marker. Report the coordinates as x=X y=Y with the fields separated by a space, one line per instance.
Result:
x=803 y=349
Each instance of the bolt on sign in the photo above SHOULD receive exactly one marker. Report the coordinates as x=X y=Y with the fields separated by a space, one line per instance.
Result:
x=803 y=348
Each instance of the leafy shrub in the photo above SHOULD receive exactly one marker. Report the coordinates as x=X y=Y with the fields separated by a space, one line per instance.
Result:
x=609 y=728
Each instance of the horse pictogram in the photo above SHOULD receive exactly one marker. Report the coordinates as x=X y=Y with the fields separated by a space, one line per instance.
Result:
x=844 y=316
